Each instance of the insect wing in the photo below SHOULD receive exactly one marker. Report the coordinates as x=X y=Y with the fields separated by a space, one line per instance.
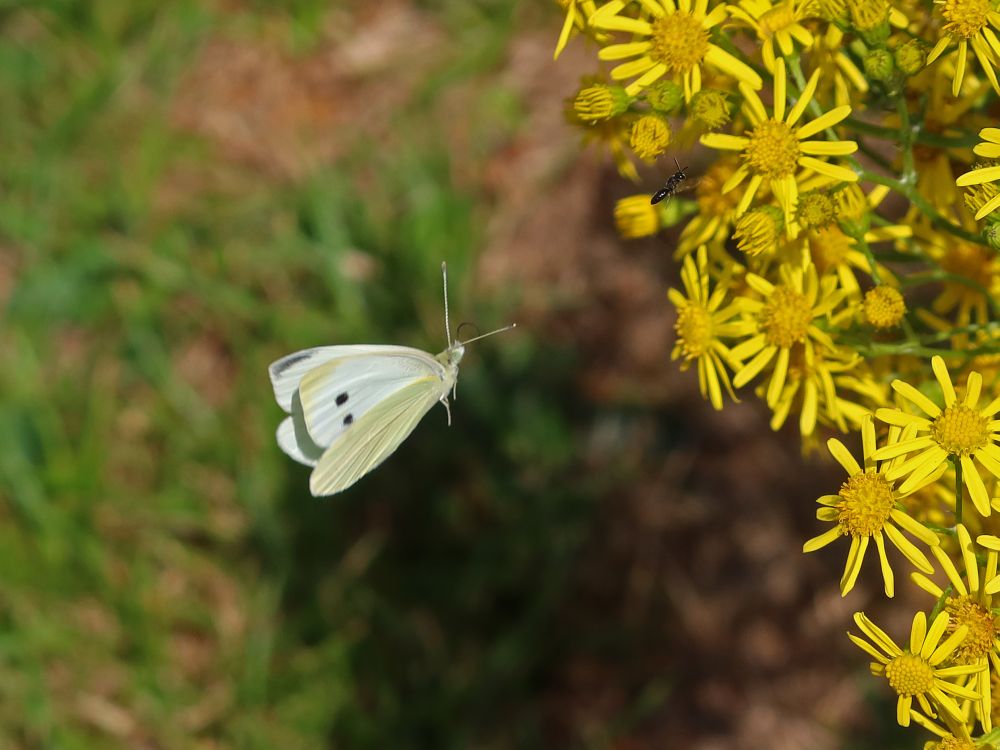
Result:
x=689 y=184
x=369 y=441
x=287 y=372
x=294 y=439
x=338 y=393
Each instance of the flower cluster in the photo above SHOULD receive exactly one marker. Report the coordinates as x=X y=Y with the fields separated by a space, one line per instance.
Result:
x=837 y=242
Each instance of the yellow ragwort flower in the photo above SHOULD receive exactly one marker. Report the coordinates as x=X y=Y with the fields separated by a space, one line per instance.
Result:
x=953 y=733
x=674 y=42
x=715 y=209
x=883 y=307
x=967 y=260
x=811 y=388
x=577 y=13
x=776 y=147
x=989 y=148
x=784 y=318
x=635 y=217
x=834 y=252
x=958 y=431
x=650 y=136
x=866 y=508
x=836 y=68
x=968 y=23
x=917 y=672
x=968 y=602
x=776 y=24
x=702 y=323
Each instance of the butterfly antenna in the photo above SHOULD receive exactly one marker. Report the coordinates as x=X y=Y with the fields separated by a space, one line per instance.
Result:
x=498 y=330
x=447 y=325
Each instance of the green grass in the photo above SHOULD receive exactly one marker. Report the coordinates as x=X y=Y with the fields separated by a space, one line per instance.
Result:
x=167 y=580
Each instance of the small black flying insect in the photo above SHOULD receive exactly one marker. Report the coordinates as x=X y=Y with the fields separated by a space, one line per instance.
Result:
x=671 y=185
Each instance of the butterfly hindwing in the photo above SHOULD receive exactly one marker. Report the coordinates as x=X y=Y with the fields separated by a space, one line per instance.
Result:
x=294 y=438
x=373 y=437
x=337 y=394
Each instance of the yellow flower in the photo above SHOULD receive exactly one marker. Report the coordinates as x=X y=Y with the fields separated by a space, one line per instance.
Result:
x=715 y=209
x=650 y=136
x=969 y=602
x=701 y=324
x=884 y=306
x=970 y=261
x=916 y=672
x=811 y=388
x=775 y=23
x=954 y=734
x=600 y=102
x=577 y=13
x=784 y=318
x=836 y=68
x=759 y=231
x=866 y=508
x=959 y=430
x=968 y=23
x=635 y=217
x=834 y=252
x=947 y=116
x=989 y=148
x=675 y=41
x=775 y=147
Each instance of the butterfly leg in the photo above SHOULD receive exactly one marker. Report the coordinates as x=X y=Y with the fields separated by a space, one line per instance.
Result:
x=447 y=408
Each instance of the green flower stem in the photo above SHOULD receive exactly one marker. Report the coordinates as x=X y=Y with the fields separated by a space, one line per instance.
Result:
x=909 y=191
x=874 y=155
x=931 y=277
x=906 y=140
x=880 y=349
x=918 y=135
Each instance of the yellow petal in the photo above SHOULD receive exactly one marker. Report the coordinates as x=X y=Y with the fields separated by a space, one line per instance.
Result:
x=621 y=51
x=830 y=170
x=719 y=58
x=823 y=122
x=979 y=176
x=828 y=148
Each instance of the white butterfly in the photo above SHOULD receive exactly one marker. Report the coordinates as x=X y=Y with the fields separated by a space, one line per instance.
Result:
x=351 y=406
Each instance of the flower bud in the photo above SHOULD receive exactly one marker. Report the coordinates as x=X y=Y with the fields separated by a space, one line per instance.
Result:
x=600 y=102
x=710 y=107
x=649 y=137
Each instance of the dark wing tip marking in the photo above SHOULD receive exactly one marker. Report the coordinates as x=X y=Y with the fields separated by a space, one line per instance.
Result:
x=292 y=359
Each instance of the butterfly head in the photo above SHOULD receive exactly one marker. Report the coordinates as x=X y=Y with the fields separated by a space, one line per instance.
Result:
x=451 y=356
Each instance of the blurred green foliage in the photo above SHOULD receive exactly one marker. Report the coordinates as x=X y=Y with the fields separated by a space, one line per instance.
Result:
x=167 y=580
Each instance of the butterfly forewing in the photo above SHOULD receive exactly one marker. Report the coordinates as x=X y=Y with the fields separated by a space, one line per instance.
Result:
x=338 y=393
x=370 y=440
x=287 y=372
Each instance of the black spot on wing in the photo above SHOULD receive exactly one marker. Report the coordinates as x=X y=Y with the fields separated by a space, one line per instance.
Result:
x=342 y=399
x=292 y=359
x=349 y=419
